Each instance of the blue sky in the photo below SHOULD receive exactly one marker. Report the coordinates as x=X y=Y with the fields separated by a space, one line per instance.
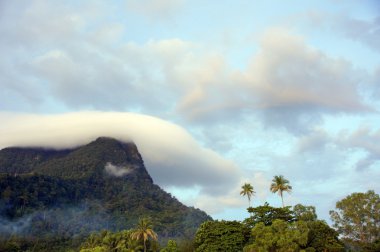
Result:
x=214 y=93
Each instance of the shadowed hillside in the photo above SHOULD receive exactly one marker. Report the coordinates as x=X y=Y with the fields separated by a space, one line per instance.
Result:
x=70 y=193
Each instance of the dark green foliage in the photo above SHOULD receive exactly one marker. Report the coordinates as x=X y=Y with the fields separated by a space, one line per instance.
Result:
x=170 y=247
x=24 y=160
x=11 y=246
x=26 y=193
x=90 y=160
x=221 y=236
x=283 y=229
x=304 y=213
x=40 y=245
x=295 y=236
x=322 y=237
x=109 y=241
x=267 y=214
x=186 y=245
x=280 y=236
x=65 y=194
x=370 y=247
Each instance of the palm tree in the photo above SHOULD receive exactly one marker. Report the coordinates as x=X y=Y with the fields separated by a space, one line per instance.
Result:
x=143 y=231
x=280 y=184
x=247 y=189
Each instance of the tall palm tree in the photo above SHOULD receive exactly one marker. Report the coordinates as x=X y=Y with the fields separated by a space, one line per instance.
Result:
x=247 y=189
x=280 y=185
x=143 y=231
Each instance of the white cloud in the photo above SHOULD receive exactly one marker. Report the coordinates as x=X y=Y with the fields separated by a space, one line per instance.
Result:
x=155 y=10
x=296 y=83
x=287 y=84
x=117 y=170
x=363 y=139
x=172 y=156
x=82 y=60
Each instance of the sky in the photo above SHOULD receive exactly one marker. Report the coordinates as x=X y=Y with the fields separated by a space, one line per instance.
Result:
x=215 y=94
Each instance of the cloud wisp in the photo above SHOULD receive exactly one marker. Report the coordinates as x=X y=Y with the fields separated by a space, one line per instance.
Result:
x=117 y=170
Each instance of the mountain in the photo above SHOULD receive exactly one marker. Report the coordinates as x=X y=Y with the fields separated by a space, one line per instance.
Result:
x=69 y=193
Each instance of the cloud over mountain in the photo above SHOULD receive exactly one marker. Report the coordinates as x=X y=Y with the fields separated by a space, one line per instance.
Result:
x=172 y=156
x=278 y=88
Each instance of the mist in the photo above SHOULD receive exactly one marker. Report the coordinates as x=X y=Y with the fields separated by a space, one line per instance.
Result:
x=117 y=171
x=63 y=221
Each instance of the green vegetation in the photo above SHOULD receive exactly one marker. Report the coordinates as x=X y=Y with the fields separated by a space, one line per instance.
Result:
x=247 y=190
x=55 y=199
x=127 y=241
x=90 y=204
x=144 y=231
x=221 y=236
x=270 y=229
x=280 y=236
x=280 y=185
x=108 y=241
x=296 y=228
x=267 y=214
x=358 y=219
x=305 y=213
x=171 y=247
x=321 y=237
x=68 y=201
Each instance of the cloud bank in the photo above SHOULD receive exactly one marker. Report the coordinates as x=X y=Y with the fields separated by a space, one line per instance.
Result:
x=172 y=156
x=78 y=61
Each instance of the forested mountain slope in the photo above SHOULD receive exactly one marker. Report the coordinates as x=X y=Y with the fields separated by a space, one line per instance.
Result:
x=102 y=185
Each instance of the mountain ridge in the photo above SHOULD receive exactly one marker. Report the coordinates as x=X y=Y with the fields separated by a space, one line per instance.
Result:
x=106 y=177
x=39 y=160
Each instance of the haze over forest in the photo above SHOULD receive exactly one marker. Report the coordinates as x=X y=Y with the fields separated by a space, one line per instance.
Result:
x=214 y=94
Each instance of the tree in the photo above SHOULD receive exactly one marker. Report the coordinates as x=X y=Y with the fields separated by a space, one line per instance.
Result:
x=323 y=238
x=110 y=242
x=304 y=213
x=247 y=189
x=186 y=245
x=143 y=231
x=267 y=214
x=280 y=185
x=170 y=247
x=221 y=236
x=280 y=236
x=284 y=229
x=358 y=217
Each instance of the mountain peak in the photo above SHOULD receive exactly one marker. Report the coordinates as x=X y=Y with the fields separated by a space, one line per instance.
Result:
x=82 y=162
x=105 y=183
x=106 y=139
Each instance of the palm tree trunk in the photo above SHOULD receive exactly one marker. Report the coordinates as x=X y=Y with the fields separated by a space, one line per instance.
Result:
x=144 y=245
x=249 y=206
x=282 y=199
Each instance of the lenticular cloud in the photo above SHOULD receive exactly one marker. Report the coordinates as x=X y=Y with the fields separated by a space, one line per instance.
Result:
x=171 y=155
